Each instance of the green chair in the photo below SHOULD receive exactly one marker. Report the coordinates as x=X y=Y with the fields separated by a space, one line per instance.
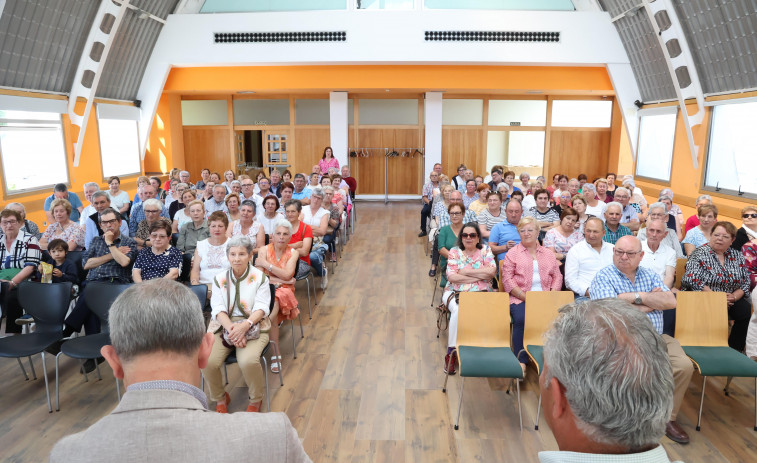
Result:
x=702 y=330
x=541 y=311
x=483 y=341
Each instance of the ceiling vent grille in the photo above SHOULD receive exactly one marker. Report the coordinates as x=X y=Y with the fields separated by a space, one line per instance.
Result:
x=492 y=36
x=269 y=37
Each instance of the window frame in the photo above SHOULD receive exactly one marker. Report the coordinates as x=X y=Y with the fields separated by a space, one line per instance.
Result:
x=47 y=187
x=657 y=112
x=100 y=146
x=725 y=193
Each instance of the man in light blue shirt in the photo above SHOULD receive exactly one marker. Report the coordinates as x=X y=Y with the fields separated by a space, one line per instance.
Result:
x=504 y=236
x=301 y=193
x=627 y=281
x=60 y=191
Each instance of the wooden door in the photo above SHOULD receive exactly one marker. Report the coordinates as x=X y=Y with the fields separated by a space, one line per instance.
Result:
x=276 y=144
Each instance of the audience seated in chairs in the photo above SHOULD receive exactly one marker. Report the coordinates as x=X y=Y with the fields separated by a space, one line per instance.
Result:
x=470 y=267
x=210 y=254
x=63 y=227
x=701 y=234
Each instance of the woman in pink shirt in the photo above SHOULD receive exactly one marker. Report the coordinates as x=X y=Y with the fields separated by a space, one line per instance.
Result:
x=328 y=160
x=527 y=267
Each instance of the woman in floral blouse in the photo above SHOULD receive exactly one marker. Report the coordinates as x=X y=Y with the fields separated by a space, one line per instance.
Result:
x=470 y=267
x=561 y=238
x=718 y=267
x=63 y=228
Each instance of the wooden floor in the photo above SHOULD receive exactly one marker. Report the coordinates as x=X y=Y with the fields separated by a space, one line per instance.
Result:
x=366 y=384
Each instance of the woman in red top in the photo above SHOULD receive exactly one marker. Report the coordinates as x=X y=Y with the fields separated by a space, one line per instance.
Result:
x=527 y=267
x=302 y=236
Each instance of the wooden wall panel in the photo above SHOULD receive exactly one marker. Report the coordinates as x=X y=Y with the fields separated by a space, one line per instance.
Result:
x=463 y=146
x=206 y=148
x=404 y=172
x=369 y=171
x=309 y=143
x=574 y=152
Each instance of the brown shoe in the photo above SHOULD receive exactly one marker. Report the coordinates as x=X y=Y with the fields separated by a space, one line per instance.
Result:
x=676 y=433
x=254 y=407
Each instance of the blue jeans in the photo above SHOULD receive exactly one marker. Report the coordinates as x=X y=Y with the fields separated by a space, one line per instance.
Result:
x=317 y=254
x=518 y=313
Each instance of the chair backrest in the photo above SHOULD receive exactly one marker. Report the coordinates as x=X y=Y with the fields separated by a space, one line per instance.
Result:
x=76 y=258
x=702 y=318
x=541 y=311
x=680 y=270
x=201 y=291
x=47 y=303
x=100 y=296
x=484 y=319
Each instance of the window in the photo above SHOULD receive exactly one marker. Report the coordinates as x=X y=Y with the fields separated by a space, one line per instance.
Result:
x=119 y=147
x=581 y=113
x=656 y=137
x=389 y=112
x=312 y=112
x=462 y=112
x=32 y=149
x=518 y=112
x=261 y=112
x=204 y=112
x=732 y=154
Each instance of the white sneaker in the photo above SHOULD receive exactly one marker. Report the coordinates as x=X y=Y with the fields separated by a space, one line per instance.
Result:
x=325 y=278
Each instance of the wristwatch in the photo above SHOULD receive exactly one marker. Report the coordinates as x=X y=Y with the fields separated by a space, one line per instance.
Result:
x=637 y=299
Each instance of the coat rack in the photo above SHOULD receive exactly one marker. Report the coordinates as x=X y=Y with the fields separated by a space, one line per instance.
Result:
x=387 y=153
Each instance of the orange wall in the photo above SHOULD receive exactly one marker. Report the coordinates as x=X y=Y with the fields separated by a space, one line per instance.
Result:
x=370 y=77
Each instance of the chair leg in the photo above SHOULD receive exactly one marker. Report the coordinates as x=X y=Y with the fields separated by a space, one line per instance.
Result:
x=538 y=410
x=727 y=384
x=97 y=367
x=47 y=386
x=22 y=368
x=118 y=389
x=265 y=375
x=433 y=296
x=57 y=386
x=31 y=366
x=755 y=404
x=81 y=365
x=460 y=405
x=701 y=403
x=520 y=413
x=307 y=283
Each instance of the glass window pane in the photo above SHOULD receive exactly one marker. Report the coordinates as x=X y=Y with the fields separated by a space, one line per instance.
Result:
x=350 y=111
x=32 y=157
x=732 y=154
x=204 y=112
x=525 y=149
x=462 y=112
x=261 y=112
x=312 y=112
x=558 y=5
x=119 y=147
x=387 y=5
x=28 y=115
x=388 y=112
x=581 y=113
x=236 y=6
x=656 y=137
x=526 y=112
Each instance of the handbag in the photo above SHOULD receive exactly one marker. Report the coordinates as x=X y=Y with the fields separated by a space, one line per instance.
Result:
x=253 y=332
x=443 y=312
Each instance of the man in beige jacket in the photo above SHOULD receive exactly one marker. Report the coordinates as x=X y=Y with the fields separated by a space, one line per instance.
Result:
x=159 y=346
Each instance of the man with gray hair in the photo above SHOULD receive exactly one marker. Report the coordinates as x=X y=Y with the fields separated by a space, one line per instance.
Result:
x=184 y=178
x=89 y=189
x=100 y=202
x=613 y=229
x=163 y=416
x=628 y=281
x=628 y=215
x=217 y=201
x=607 y=385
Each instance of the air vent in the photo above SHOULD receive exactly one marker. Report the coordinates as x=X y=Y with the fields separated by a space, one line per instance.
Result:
x=250 y=37
x=492 y=36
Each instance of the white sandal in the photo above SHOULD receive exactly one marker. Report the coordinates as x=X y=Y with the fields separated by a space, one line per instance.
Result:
x=275 y=363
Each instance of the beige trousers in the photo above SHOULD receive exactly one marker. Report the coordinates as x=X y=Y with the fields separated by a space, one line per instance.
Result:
x=682 y=371
x=248 y=359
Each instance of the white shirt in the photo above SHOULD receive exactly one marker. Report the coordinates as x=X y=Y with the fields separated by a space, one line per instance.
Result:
x=658 y=261
x=582 y=264
x=528 y=202
x=314 y=220
x=598 y=210
x=656 y=455
x=536 y=278
x=85 y=213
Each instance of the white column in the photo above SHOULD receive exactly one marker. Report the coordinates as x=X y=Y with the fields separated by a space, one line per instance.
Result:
x=339 y=125
x=433 y=121
x=626 y=93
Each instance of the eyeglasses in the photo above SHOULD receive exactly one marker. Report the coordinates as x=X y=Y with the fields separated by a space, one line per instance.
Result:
x=749 y=216
x=469 y=235
x=620 y=253
x=108 y=222
x=455 y=213
x=9 y=222
x=151 y=211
